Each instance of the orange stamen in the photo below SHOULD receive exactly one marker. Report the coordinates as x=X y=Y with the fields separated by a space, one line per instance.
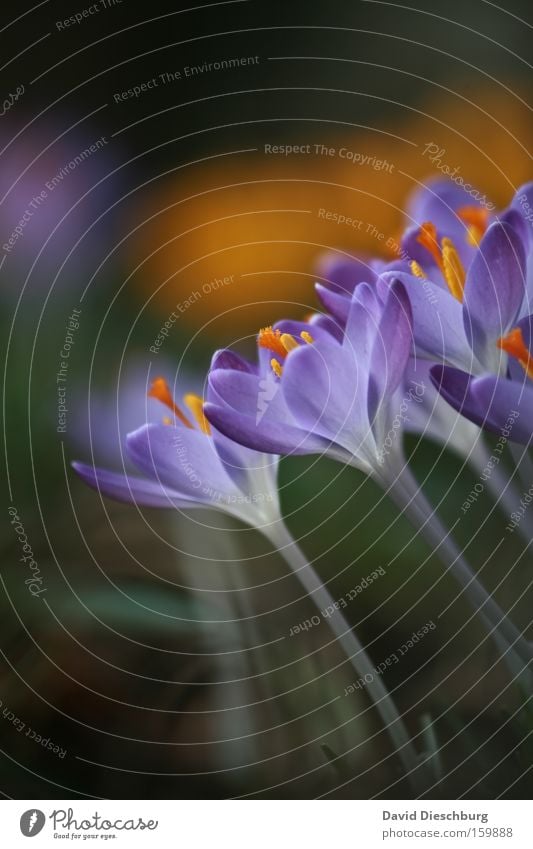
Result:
x=271 y=339
x=446 y=257
x=427 y=237
x=476 y=218
x=196 y=406
x=160 y=390
x=514 y=345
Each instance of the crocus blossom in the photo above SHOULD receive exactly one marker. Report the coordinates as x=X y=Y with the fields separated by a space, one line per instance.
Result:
x=468 y=274
x=333 y=392
x=185 y=464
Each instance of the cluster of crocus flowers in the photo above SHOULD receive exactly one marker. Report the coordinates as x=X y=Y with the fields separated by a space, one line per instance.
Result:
x=454 y=308
x=437 y=342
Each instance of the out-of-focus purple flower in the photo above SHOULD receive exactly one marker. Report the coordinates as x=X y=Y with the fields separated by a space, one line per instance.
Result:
x=101 y=416
x=185 y=465
x=333 y=392
x=53 y=188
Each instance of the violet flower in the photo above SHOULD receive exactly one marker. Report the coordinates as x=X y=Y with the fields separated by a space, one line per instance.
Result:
x=186 y=464
x=334 y=391
x=337 y=395
x=468 y=274
x=459 y=315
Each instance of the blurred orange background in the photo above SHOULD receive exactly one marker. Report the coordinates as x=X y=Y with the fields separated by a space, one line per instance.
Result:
x=257 y=218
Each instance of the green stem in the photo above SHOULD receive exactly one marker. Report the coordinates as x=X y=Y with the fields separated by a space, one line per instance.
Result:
x=356 y=654
x=407 y=494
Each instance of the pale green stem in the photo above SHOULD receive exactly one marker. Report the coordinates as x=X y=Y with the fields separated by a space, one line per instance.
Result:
x=503 y=489
x=356 y=654
x=407 y=494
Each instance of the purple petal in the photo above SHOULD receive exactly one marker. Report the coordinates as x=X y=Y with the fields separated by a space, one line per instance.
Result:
x=241 y=462
x=391 y=349
x=513 y=217
x=437 y=321
x=181 y=458
x=225 y=358
x=250 y=394
x=130 y=489
x=270 y=438
x=337 y=305
x=439 y=201
x=507 y=404
x=494 y=290
x=325 y=322
x=325 y=388
x=254 y=413
x=360 y=331
x=455 y=386
x=342 y=275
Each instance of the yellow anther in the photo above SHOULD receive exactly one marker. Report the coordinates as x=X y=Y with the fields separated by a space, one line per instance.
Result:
x=417 y=271
x=167 y=420
x=196 y=406
x=276 y=368
x=306 y=337
x=452 y=269
x=288 y=342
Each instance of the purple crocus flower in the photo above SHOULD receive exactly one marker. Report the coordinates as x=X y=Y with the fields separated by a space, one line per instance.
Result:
x=458 y=315
x=102 y=415
x=332 y=392
x=466 y=301
x=185 y=464
x=468 y=274
x=459 y=321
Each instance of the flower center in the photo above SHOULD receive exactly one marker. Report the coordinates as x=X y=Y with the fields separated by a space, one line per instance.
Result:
x=280 y=344
x=477 y=220
x=161 y=391
x=446 y=258
x=514 y=345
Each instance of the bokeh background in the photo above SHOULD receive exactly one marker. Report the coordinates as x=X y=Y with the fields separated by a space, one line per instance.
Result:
x=158 y=660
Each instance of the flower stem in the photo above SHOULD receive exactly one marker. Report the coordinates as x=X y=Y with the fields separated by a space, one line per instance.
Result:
x=356 y=653
x=502 y=487
x=408 y=496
